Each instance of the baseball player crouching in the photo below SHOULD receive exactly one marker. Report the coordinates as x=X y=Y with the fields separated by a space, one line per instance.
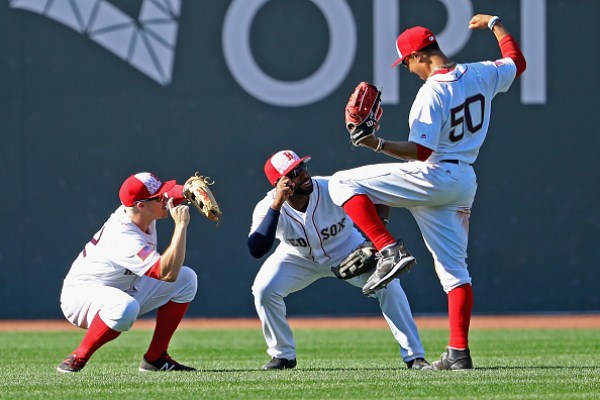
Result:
x=315 y=235
x=120 y=275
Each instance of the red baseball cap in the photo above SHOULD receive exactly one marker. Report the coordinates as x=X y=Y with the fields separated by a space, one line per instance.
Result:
x=142 y=186
x=413 y=39
x=281 y=163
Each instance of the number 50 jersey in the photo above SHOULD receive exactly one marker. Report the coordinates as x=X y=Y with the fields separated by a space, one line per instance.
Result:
x=451 y=112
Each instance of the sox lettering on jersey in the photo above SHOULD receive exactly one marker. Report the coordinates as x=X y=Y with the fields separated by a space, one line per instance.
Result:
x=326 y=233
x=333 y=230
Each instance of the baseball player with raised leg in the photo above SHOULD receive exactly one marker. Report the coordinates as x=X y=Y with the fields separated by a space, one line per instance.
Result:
x=317 y=240
x=448 y=123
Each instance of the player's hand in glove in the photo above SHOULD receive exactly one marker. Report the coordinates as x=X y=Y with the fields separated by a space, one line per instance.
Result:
x=196 y=190
x=358 y=262
x=363 y=112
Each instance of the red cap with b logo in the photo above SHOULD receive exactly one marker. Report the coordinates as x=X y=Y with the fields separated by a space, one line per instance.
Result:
x=281 y=163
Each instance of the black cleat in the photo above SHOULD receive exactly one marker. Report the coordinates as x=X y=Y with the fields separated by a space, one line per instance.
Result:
x=454 y=360
x=164 y=363
x=279 y=363
x=73 y=363
x=419 y=363
x=393 y=261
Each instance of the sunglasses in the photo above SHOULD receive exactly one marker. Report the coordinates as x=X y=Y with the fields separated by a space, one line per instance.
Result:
x=159 y=198
x=297 y=171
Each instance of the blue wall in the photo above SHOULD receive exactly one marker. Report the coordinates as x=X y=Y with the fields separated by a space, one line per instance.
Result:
x=83 y=106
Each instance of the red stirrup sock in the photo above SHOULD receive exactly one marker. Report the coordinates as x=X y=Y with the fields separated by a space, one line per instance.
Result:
x=364 y=214
x=168 y=318
x=96 y=336
x=460 y=306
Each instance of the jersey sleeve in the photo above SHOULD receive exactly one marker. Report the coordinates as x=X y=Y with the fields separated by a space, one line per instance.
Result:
x=426 y=118
x=262 y=238
x=501 y=73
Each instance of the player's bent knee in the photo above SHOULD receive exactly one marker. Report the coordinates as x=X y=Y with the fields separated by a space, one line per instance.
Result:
x=259 y=293
x=342 y=188
x=188 y=279
x=121 y=316
x=264 y=294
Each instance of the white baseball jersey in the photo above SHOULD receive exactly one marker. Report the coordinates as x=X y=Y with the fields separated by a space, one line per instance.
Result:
x=324 y=234
x=108 y=277
x=451 y=116
x=118 y=253
x=451 y=112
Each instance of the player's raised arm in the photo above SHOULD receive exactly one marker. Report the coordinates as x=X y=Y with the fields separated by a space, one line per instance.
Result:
x=173 y=257
x=508 y=45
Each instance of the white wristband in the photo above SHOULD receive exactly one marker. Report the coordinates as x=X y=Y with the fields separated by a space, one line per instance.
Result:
x=380 y=144
x=493 y=21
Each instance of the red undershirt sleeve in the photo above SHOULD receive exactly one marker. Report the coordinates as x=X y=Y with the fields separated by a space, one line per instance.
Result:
x=423 y=152
x=154 y=271
x=510 y=48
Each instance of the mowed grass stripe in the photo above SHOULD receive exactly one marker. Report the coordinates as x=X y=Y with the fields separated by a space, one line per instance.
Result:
x=332 y=364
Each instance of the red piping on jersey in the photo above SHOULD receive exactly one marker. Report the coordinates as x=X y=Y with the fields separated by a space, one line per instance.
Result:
x=510 y=49
x=312 y=218
x=303 y=230
x=442 y=71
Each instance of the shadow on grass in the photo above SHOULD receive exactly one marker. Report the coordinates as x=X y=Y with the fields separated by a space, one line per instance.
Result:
x=336 y=369
x=300 y=369
x=533 y=367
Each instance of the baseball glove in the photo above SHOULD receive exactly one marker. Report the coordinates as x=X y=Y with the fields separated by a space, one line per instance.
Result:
x=358 y=262
x=362 y=112
x=196 y=190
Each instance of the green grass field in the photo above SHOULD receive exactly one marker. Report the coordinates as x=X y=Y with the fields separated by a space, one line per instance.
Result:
x=332 y=364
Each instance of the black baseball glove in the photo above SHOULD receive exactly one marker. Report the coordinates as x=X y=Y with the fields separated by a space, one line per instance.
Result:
x=358 y=262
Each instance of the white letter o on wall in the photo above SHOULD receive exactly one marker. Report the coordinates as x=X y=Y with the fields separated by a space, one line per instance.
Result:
x=241 y=63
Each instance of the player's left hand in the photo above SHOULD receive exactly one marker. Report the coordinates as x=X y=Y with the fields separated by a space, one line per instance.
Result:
x=357 y=263
x=363 y=112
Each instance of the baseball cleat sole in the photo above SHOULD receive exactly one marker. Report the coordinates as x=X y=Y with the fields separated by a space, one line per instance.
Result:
x=405 y=265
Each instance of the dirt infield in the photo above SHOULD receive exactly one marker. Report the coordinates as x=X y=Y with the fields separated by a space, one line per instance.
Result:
x=585 y=321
